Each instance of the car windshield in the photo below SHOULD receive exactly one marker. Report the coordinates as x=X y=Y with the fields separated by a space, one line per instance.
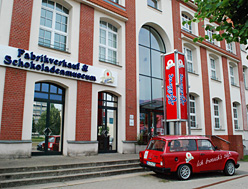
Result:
x=157 y=145
x=51 y=139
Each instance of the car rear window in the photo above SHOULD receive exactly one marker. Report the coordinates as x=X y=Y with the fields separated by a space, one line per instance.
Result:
x=157 y=145
x=182 y=145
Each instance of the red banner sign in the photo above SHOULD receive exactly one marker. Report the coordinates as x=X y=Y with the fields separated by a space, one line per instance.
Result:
x=182 y=86
x=170 y=87
x=176 y=97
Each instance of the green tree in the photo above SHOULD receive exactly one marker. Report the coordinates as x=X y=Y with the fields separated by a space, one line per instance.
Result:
x=232 y=16
x=54 y=121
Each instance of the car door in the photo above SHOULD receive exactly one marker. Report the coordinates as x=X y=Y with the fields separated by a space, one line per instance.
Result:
x=209 y=159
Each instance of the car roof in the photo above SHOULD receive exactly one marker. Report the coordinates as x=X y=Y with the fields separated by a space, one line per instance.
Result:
x=178 y=137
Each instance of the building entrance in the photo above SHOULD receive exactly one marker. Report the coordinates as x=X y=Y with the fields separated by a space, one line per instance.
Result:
x=47 y=127
x=107 y=123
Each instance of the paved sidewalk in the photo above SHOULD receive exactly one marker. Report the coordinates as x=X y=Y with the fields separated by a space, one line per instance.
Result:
x=60 y=160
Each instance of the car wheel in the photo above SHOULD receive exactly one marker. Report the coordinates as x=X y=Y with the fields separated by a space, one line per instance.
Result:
x=183 y=172
x=229 y=168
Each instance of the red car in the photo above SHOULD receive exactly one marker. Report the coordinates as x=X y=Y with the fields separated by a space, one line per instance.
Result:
x=185 y=155
x=53 y=144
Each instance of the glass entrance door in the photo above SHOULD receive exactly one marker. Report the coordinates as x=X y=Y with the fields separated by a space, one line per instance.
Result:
x=107 y=123
x=47 y=130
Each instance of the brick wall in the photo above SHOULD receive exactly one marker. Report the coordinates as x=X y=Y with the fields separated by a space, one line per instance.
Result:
x=84 y=89
x=131 y=96
x=15 y=79
x=206 y=92
x=227 y=96
x=235 y=143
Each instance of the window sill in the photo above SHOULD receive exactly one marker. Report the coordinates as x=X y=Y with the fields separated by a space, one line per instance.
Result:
x=238 y=130
x=217 y=129
x=216 y=79
x=193 y=73
x=155 y=8
x=106 y=62
x=234 y=85
x=196 y=129
x=54 y=49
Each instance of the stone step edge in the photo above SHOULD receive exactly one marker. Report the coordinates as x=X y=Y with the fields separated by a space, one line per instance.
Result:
x=42 y=180
x=114 y=166
x=58 y=166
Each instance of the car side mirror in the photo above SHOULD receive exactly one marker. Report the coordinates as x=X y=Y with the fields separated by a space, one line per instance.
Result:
x=215 y=148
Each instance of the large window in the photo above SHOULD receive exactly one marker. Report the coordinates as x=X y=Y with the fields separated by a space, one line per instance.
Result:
x=150 y=67
x=150 y=81
x=210 y=33
x=53 y=25
x=216 y=114
x=108 y=43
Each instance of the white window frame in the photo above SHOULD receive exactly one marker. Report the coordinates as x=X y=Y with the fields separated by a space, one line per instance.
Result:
x=213 y=69
x=156 y=2
x=53 y=30
x=192 y=100
x=244 y=76
x=186 y=27
x=210 y=33
x=229 y=47
x=106 y=46
x=189 y=55
x=232 y=78
x=216 y=109
x=235 y=116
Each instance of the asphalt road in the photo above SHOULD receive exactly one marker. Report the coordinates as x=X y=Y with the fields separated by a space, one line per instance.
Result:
x=150 y=180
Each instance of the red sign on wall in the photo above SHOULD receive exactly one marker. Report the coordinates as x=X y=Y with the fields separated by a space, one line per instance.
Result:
x=175 y=96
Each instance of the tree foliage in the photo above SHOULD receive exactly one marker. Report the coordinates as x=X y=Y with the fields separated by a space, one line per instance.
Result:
x=54 y=121
x=231 y=15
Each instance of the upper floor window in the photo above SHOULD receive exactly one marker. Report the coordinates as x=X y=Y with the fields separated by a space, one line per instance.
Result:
x=108 y=43
x=189 y=60
x=216 y=114
x=245 y=75
x=235 y=116
x=192 y=111
x=116 y=1
x=187 y=27
x=153 y=3
x=213 y=69
x=210 y=33
x=229 y=47
x=53 y=25
x=232 y=78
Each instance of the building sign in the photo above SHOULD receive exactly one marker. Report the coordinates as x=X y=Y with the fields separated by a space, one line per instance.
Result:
x=175 y=87
x=41 y=63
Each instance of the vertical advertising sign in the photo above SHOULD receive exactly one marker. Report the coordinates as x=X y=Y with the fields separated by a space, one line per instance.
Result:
x=175 y=87
x=182 y=86
x=170 y=87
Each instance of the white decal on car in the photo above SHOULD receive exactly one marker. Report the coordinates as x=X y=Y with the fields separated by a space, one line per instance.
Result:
x=188 y=157
x=146 y=154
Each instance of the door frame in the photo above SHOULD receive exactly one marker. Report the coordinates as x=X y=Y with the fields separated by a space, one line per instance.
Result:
x=49 y=102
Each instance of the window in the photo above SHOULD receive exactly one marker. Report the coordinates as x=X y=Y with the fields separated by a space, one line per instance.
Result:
x=229 y=47
x=210 y=33
x=232 y=75
x=186 y=26
x=235 y=116
x=116 y=1
x=216 y=114
x=157 y=145
x=108 y=43
x=192 y=111
x=245 y=77
x=205 y=145
x=213 y=69
x=53 y=25
x=153 y=3
x=182 y=145
x=189 y=56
